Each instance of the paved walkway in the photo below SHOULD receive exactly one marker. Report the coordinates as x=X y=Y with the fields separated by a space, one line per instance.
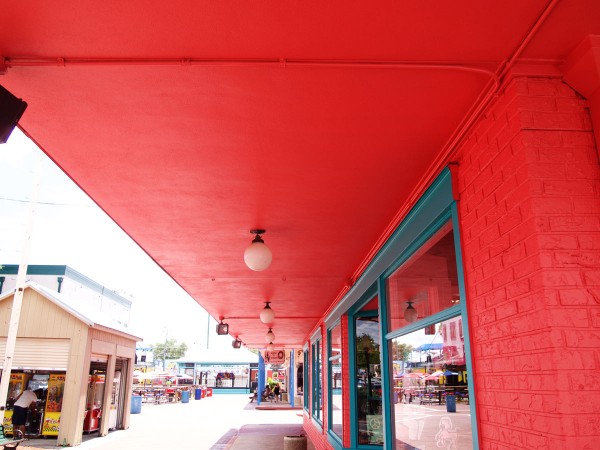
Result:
x=221 y=422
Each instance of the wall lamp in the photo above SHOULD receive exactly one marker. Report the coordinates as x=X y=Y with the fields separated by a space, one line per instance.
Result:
x=267 y=315
x=257 y=255
x=222 y=328
x=237 y=343
x=10 y=113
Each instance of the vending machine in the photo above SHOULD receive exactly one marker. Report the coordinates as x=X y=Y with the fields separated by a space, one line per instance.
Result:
x=114 y=401
x=16 y=385
x=54 y=397
x=93 y=409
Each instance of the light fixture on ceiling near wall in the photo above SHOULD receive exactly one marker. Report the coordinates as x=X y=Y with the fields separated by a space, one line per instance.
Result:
x=257 y=255
x=410 y=313
x=270 y=347
x=267 y=315
x=222 y=328
x=237 y=343
x=270 y=336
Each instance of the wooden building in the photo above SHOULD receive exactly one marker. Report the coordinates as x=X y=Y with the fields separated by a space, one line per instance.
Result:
x=55 y=337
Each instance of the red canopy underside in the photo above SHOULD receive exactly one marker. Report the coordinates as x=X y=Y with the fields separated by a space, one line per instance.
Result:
x=191 y=124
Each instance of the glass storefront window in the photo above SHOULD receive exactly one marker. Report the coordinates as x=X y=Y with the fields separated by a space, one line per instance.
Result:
x=368 y=380
x=427 y=281
x=431 y=391
x=317 y=366
x=335 y=382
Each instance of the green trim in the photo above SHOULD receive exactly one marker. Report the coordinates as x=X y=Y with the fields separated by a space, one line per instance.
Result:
x=427 y=210
x=386 y=394
x=352 y=364
x=307 y=379
x=334 y=440
x=330 y=360
x=317 y=388
x=436 y=207
x=465 y=326
x=72 y=274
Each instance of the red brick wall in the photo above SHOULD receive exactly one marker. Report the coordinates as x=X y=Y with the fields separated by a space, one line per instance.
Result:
x=529 y=185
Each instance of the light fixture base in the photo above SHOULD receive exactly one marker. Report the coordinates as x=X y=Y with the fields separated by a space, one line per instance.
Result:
x=258 y=231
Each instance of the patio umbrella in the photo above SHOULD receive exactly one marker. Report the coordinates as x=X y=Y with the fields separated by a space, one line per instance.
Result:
x=412 y=375
x=434 y=376
x=183 y=376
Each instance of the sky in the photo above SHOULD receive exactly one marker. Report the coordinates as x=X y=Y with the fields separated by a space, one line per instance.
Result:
x=69 y=229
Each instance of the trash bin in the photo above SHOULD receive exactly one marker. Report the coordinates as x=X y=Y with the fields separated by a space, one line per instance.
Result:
x=451 y=403
x=294 y=442
x=185 y=396
x=136 y=404
x=209 y=392
x=198 y=394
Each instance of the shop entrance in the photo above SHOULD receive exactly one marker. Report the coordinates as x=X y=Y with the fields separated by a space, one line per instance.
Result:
x=368 y=375
x=95 y=410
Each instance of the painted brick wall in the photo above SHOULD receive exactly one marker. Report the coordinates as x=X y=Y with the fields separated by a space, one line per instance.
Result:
x=529 y=184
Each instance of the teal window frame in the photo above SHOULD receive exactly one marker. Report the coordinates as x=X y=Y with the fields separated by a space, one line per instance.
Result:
x=333 y=438
x=353 y=313
x=434 y=208
x=306 y=386
x=317 y=389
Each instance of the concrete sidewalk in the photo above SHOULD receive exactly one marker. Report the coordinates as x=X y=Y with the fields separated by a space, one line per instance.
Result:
x=220 y=422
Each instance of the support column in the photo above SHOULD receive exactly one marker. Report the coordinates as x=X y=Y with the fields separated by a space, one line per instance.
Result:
x=108 y=384
x=261 y=377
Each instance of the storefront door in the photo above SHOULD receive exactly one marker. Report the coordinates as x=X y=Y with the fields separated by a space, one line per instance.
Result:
x=368 y=376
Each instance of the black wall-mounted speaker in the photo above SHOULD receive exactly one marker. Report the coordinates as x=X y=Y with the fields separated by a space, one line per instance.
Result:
x=11 y=110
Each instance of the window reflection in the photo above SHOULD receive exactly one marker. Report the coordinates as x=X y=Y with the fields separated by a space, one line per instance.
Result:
x=431 y=391
x=317 y=400
x=428 y=280
x=368 y=381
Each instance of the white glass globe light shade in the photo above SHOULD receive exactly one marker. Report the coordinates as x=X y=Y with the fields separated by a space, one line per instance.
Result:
x=270 y=336
x=258 y=256
x=410 y=313
x=270 y=347
x=267 y=315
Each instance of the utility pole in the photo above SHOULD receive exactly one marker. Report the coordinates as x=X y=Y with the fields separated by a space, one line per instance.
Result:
x=165 y=350
x=13 y=325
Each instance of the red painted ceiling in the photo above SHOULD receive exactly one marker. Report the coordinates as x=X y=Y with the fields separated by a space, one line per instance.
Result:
x=192 y=122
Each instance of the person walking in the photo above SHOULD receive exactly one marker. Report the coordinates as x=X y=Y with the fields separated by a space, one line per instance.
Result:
x=276 y=392
x=26 y=400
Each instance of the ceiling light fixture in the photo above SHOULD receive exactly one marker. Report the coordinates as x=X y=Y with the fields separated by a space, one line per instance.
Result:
x=237 y=343
x=222 y=328
x=270 y=347
x=410 y=313
x=267 y=315
x=257 y=255
x=270 y=336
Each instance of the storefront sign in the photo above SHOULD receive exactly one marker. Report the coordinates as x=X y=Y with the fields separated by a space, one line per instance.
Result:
x=275 y=357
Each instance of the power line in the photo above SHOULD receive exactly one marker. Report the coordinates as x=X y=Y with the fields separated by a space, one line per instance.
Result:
x=43 y=203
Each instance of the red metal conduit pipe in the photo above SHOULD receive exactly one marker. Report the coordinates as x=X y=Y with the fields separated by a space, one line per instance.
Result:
x=10 y=62
x=449 y=150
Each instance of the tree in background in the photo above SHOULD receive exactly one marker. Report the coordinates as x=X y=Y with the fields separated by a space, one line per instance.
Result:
x=168 y=350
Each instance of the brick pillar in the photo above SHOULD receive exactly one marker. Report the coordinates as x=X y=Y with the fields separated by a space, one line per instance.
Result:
x=529 y=185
